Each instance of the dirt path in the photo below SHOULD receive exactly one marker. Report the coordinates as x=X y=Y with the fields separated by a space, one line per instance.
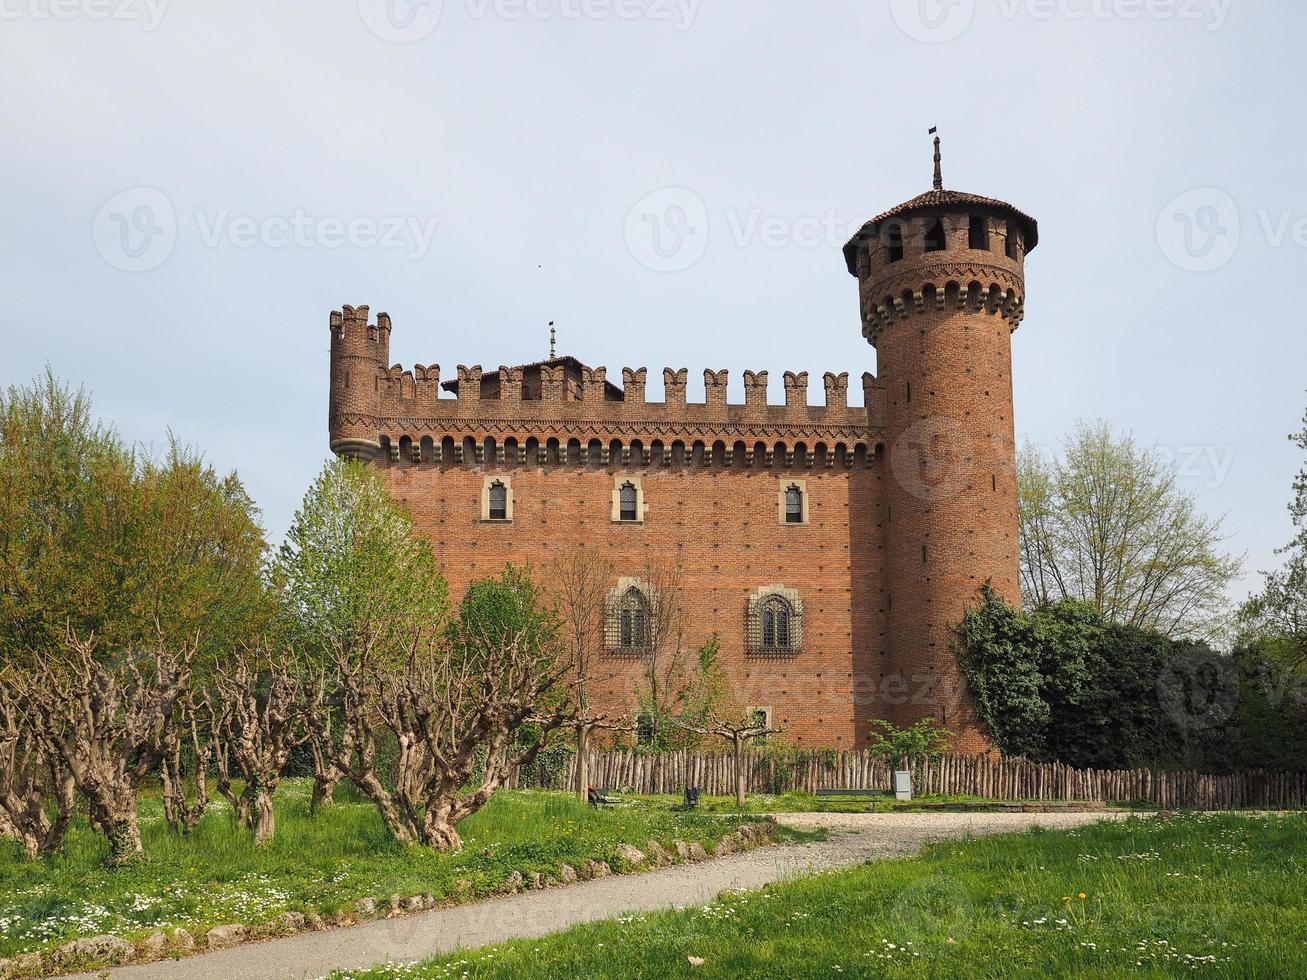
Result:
x=854 y=838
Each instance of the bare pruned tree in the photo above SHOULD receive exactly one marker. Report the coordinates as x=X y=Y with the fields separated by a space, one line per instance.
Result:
x=191 y=729
x=106 y=721
x=458 y=710
x=667 y=662
x=258 y=720
x=580 y=581
x=30 y=774
x=738 y=732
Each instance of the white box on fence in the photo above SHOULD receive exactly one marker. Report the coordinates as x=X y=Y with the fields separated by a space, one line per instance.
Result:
x=903 y=785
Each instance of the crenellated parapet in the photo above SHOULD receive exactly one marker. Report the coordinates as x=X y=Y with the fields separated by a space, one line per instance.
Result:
x=375 y=408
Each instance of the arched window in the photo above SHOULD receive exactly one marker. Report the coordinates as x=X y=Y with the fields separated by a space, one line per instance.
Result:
x=498 y=502
x=628 y=503
x=775 y=621
x=936 y=240
x=793 y=505
x=894 y=241
x=629 y=626
x=776 y=617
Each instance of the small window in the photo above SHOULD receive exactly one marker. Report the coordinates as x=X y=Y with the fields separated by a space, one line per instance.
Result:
x=979 y=233
x=646 y=729
x=1013 y=240
x=793 y=505
x=894 y=240
x=628 y=503
x=936 y=240
x=498 y=501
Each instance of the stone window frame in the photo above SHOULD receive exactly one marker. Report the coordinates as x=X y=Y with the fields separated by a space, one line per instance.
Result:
x=754 y=621
x=489 y=481
x=781 y=511
x=640 y=507
x=613 y=617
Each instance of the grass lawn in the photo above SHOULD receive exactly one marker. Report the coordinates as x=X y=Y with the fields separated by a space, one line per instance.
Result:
x=318 y=864
x=1210 y=895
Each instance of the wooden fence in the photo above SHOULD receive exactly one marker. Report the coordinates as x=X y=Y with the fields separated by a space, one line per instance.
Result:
x=999 y=779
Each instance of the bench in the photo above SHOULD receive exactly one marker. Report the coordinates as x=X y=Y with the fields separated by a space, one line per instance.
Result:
x=604 y=797
x=853 y=795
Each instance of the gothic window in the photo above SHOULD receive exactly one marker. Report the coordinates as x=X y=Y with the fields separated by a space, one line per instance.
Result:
x=629 y=626
x=979 y=233
x=935 y=237
x=775 y=623
x=628 y=503
x=793 y=505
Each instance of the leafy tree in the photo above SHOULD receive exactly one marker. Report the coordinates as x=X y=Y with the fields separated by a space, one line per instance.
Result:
x=1061 y=683
x=1108 y=525
x=682 y=699
x=1275 y=620
x=356 y=581
x=98 y=536
x=924 y=739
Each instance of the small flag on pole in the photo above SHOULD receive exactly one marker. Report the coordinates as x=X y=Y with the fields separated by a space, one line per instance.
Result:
x=934 y=130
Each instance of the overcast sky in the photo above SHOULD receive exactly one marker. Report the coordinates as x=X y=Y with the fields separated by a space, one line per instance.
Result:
x=190 y=189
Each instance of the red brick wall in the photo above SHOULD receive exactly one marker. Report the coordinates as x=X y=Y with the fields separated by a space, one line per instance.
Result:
x=722 y=525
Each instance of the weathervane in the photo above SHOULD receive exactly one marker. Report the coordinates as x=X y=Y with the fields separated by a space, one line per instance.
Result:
x=939 y=171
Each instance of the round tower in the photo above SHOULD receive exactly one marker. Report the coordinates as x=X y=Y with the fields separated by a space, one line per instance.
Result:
x=942 y=288
x=359 y=353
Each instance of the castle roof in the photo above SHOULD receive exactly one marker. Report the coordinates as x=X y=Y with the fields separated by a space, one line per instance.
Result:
x=571 y=365
x=940 y=200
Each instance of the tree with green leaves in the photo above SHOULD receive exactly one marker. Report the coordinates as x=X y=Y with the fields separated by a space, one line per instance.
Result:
x=357 y=582
x=924 y=739
x=122 y=575
x=1107 y=524
x=1275 y=620
x=104 y=539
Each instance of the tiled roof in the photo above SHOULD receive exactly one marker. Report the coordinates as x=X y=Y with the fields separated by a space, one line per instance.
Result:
x=567 y=360
x=942 y=199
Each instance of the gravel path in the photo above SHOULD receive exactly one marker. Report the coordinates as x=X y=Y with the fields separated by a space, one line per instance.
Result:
x=853 y=839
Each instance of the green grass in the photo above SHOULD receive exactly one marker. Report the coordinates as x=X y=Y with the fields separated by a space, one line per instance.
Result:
x=1211 y=895
x=318 y=864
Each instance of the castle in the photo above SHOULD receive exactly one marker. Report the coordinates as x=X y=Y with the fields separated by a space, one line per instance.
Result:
x=831 y=548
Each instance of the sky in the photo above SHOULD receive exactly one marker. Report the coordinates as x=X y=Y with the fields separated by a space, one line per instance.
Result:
x=190 y=188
